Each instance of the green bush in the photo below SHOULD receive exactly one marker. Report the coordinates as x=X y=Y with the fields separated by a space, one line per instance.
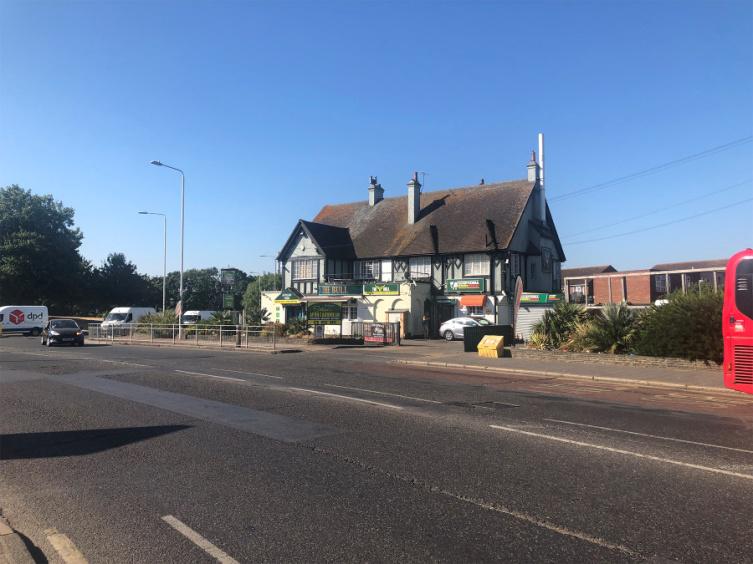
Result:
x=162 y=318
x=555 y=328
x=689 y=326
x=611 y=330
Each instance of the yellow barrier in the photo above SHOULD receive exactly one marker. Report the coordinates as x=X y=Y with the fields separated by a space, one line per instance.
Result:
x=492 y=346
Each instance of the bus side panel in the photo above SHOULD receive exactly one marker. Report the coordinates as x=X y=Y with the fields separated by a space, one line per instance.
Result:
x=737 y=322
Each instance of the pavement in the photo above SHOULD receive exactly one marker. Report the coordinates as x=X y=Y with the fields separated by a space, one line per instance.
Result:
x=133 y=453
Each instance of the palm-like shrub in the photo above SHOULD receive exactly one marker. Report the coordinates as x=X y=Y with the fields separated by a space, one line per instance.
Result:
x=555 y=328
x=613 y=330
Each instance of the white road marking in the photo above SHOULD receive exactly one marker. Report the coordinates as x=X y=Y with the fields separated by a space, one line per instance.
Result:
x=249 y=373
x=212 y=376
x=119 y=362
x=627 y=452
x=65 y=547
x=544 y=524
x=381 y=393
x=651 y=436
x=212 y=550
x=317 y=392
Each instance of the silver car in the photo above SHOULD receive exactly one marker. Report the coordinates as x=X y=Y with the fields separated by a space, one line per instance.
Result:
x=455 y=328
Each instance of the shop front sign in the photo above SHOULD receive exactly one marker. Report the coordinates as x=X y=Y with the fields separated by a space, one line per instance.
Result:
x=289 y=296
x=340 y=289
x=324 y=314
x=381 y=289
x=543 y=298
x=466 y=285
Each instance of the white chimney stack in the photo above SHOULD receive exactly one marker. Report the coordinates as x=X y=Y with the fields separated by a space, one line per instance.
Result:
x=414 y=199
x=542 y=192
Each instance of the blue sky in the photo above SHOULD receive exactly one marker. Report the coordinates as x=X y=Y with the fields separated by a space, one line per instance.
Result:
x=275 y=109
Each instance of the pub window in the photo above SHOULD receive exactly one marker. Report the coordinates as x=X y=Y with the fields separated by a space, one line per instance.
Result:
x=476 y=265
x=546 y=260
x=533 y=270
x=475 y=310
x=420 y=267
x=386 y=270
x=304 y=269
x=367 y=269
x=350 y=312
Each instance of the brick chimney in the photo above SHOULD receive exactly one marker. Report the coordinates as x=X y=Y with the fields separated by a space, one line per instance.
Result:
x=376 y=192
x=414 y=199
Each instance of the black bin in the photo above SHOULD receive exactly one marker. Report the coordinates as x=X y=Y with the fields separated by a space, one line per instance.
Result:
x=472 y=335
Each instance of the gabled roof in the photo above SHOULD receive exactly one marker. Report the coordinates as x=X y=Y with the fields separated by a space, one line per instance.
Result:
x=459 y=215
x=331 y=241
x=587 y=271
x=691 y=265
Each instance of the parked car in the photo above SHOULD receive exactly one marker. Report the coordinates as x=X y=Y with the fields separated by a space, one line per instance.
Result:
x=62 y=332
x=29 y=320
x=455 y=328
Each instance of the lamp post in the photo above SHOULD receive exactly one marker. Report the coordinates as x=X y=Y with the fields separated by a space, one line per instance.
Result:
x=274 y=282
x=164 y=256
x=182 y=209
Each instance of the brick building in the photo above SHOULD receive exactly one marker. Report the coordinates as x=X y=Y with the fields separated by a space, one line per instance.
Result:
x=599 y=285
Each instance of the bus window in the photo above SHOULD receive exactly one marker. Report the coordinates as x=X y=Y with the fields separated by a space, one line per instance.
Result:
x=744 y=287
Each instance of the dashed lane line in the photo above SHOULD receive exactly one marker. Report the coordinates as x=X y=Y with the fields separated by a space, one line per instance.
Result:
x=65 y=547
x=249 y=373
x=626 y=452
x=650 y=436
x=212 y=376
x=351 y=398
x=382 y=393
x=211 y=549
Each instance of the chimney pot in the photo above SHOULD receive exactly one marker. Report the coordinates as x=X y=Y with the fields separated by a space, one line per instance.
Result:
x=414 y=199
x=376 y=192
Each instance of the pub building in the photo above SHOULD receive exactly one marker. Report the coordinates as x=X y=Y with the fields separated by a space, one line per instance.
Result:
x=447 y=253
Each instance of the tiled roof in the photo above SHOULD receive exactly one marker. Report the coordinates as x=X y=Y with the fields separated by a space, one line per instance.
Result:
x=587 y=271
x=334 y=241
x=459 y=215
x=691 y=265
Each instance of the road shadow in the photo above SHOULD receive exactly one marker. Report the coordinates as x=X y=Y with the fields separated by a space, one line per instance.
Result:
x=54 y=444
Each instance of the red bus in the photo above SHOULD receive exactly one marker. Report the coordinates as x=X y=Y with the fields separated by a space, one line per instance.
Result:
x=737 y=322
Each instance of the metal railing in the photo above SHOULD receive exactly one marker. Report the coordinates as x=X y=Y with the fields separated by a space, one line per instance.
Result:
x=230 y=336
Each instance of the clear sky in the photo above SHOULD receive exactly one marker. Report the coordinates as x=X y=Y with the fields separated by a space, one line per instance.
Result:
x=274 y=109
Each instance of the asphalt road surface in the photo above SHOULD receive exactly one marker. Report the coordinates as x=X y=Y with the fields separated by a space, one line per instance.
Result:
x=138 y=454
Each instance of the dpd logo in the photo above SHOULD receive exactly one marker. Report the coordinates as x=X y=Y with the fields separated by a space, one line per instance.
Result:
x=16 y=316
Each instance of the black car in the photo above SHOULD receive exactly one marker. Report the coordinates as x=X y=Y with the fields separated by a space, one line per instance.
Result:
x=62 y=332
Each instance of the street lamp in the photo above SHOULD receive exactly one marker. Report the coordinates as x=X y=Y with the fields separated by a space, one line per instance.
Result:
x=182 y=209
x=164 y=256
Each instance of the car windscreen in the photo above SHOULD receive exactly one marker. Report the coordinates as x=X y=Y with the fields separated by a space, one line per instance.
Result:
x=483 y=321
x=116 y=316
x=63 y=324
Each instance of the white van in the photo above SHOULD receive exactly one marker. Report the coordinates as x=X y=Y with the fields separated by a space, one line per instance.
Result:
x=28 y=319
x=123 y=315
x=193 y=316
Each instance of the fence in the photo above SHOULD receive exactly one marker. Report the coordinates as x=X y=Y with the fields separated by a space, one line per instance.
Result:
x=376 y=333
x=231 y=336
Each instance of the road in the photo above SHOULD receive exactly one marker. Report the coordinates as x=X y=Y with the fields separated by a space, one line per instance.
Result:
x=139 y=454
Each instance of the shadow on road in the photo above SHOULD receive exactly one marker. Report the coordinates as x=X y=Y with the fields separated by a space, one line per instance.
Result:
x=77 y=443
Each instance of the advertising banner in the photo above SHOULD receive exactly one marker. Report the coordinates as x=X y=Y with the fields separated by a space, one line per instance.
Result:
x=324 y=314
x=381 y=289
x=466 y=285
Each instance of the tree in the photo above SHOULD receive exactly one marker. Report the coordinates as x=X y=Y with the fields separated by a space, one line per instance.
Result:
x=554 y=329
x=39 y=258
x=119 y=283
x=252 y=296
x=613 y=330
